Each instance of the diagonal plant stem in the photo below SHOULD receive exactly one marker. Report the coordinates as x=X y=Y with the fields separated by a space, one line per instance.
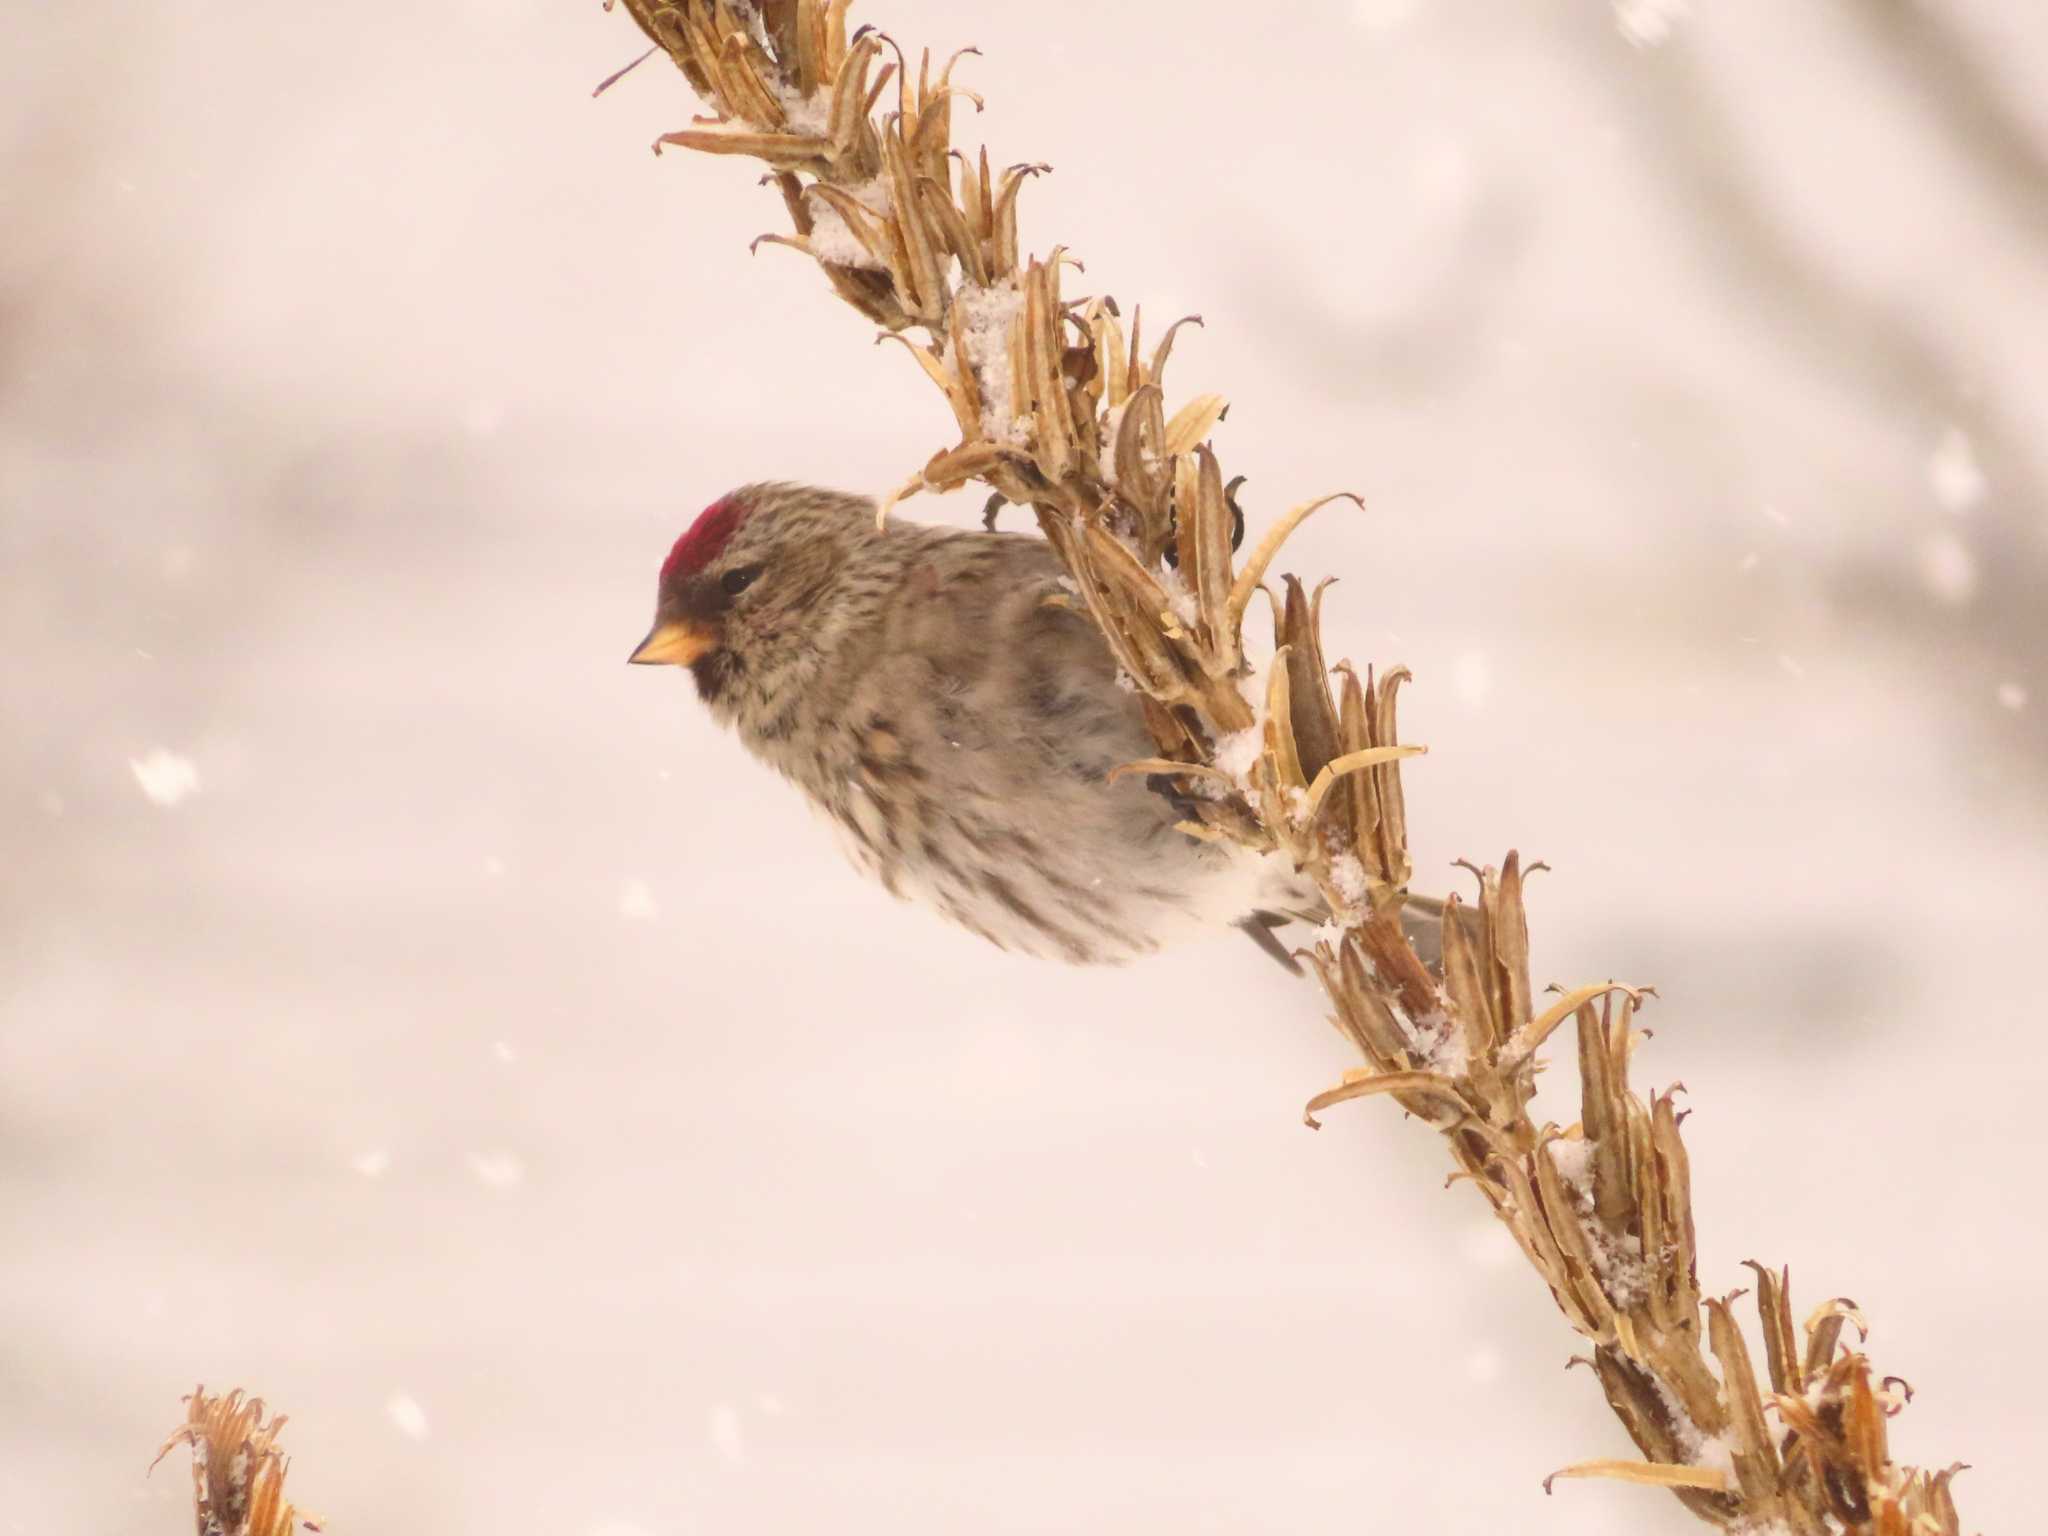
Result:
x=1061 y=408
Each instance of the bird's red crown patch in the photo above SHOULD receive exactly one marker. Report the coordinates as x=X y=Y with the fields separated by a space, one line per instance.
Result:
x=705 y=539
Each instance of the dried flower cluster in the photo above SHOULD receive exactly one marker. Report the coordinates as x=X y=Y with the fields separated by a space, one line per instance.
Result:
x=1059 y=409
x=237 y=1469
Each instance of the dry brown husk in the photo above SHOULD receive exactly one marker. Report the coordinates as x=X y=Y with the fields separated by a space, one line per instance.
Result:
x=1061 y=407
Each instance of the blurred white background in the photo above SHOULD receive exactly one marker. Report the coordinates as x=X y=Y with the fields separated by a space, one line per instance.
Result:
x=412 y=1014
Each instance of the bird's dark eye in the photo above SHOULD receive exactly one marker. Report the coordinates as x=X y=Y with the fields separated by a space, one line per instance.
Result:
x=737 y=581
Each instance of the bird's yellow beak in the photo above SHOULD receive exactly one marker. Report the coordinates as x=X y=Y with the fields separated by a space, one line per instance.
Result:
x=673 y=644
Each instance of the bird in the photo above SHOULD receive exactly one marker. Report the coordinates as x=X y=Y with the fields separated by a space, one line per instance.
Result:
x=934 y=693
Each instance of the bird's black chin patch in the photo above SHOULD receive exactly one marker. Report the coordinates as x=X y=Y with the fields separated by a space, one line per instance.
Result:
x=714 y=673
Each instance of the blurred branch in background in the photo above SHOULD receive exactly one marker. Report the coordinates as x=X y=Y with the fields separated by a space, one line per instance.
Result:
x=1060 y=408
x=1974 y=582
x=1962 y=89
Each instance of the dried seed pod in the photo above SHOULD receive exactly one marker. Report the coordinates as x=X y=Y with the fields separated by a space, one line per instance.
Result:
x=1072 y=423
x=238 y=1469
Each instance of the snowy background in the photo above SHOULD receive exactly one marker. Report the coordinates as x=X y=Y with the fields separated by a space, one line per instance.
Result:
x=412 y=1013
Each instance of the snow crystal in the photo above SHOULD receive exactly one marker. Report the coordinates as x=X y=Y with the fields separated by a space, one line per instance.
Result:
x=1441 y=1044
x=1178 y=598
x=1714 y=1451
x=1112 y=423
x=1236 y=752
x=748 y=14
x=498 y=1169
x=1646 y=23
x=407 y=1416
x=985 y=316
x=1483 y=1365
x=372 y=1163
x=1790 y=667
x=636 y=901
x=807 y=114
x=1574 y=1160
x=494 y=867
x=832 y=239
x=2012 y=696
x=1348 y=875
x=1949 y=569
x=1618 y=1259
x=1617 y=1256
x=1953 y=473
x=770 y=1404
x=165 y=777
x=725 y=1432
x=504 y=1051
x=1695 y=1446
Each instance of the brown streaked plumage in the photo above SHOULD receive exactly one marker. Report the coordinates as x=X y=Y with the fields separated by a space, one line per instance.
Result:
x=957 y=726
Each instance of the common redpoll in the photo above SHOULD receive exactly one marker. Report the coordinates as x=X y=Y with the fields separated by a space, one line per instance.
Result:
x=929 y=690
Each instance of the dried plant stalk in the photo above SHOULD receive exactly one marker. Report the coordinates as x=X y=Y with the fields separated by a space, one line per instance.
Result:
x=1063 y=410
x=238 y=1471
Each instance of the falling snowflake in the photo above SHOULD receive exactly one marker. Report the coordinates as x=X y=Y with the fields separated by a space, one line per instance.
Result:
x=165 y=777
x=2012 y=696
x=407 y=1416
x=371 y=1164
x=1953 y=473
x=725 y=1432
x=500 y=1170
x=1646 y=23
x=636 y=901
